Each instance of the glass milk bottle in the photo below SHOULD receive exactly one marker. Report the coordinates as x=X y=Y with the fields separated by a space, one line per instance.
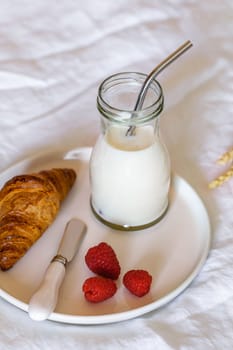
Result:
x=129 y=166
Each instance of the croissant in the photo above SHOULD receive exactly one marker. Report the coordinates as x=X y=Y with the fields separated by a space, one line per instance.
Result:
x=28 y=205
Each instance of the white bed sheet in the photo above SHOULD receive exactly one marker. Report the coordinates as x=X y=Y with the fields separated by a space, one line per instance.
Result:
x=53 y=56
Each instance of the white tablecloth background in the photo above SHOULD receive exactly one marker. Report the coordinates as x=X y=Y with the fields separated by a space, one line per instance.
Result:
x=53 y=56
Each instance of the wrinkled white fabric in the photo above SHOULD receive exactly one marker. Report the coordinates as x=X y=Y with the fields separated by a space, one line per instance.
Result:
x=53 y=56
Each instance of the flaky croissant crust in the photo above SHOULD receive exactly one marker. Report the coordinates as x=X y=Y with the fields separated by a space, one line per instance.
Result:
x=28 y=205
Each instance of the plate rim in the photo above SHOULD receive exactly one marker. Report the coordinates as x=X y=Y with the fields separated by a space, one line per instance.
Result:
x=128 y=314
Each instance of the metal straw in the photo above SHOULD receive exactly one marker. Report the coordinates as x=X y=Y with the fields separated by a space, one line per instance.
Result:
x=159 y=68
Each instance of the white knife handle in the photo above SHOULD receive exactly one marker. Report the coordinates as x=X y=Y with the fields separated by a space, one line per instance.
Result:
x=43 y=302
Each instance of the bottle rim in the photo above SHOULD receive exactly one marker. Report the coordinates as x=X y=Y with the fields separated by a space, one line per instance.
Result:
x=149 y=112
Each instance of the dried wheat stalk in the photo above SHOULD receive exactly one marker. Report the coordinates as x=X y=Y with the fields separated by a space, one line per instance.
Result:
x=222 y=178
x=224 y=159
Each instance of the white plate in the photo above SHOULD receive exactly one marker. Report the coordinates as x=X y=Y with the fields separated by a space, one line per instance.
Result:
x=173 y=251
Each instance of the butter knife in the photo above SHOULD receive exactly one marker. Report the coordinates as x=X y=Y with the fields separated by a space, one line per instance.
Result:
x=44 y=301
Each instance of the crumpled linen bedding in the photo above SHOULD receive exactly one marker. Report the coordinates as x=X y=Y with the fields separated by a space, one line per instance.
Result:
x=53 y=56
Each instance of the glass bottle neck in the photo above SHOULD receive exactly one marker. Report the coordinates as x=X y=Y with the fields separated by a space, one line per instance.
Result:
x=118 y=94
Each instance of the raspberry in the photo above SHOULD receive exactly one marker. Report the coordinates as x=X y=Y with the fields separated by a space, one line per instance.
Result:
x=97 y=289
x=138 y=282
x=102 y=260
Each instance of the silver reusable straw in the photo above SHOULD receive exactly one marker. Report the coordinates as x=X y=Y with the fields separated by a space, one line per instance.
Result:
x=159 y=68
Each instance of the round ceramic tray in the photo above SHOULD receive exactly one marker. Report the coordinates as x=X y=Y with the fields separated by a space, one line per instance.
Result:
x=173 y=251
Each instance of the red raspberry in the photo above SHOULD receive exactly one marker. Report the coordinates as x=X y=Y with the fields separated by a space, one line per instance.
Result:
x=98 y=289
x=138 y=282
x=102 y=260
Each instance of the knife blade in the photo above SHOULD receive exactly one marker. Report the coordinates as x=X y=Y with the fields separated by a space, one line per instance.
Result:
x=44 y=300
